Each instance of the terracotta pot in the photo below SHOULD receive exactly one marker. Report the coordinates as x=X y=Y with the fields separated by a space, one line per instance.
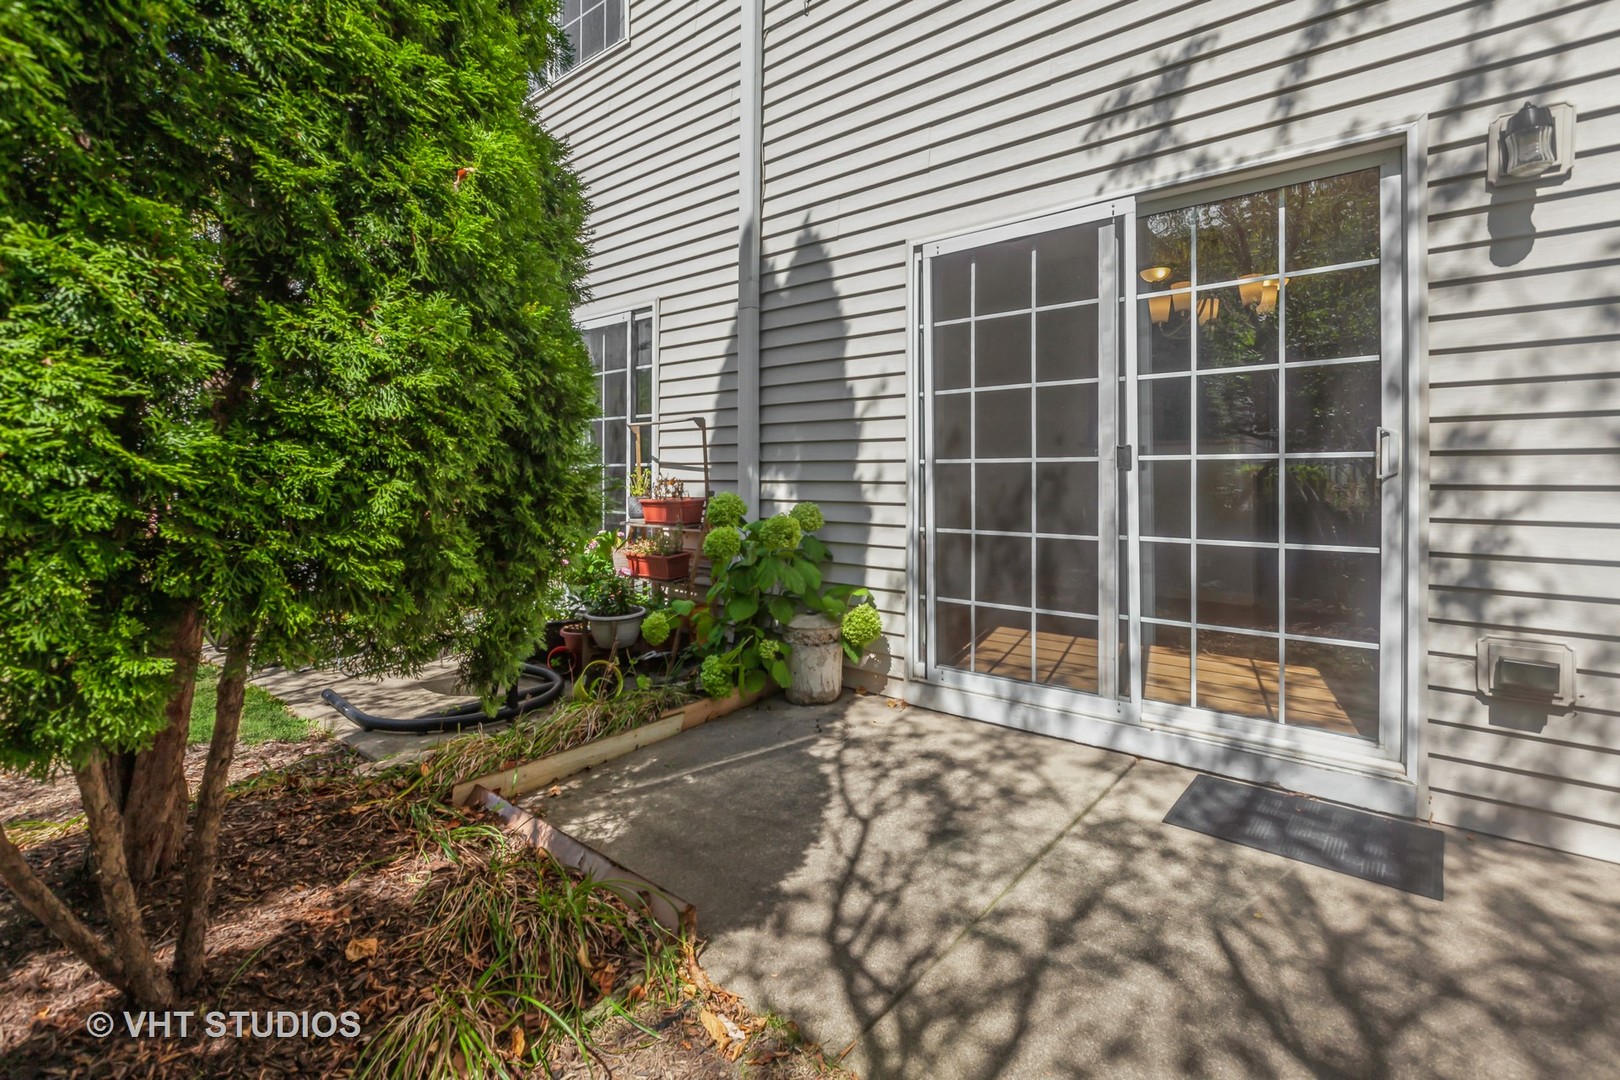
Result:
x=674 y=567
x=554 y=632
x=673 y=511
x=575 y=635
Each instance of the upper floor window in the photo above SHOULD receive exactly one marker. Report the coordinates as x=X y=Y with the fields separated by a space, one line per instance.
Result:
x=593 y=27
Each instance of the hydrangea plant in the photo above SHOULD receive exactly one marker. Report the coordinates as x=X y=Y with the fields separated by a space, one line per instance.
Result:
x=657 y=627
x=781 y=533
x=861 y=626
x=727 y=509
x=715 y=677
x=808 y=515
x=722 y=545
x=766 y=572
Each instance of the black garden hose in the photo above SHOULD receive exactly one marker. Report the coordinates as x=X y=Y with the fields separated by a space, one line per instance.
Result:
x=465 y=715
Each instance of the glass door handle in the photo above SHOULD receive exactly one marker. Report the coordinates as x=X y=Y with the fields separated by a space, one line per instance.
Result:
x=1385 y=462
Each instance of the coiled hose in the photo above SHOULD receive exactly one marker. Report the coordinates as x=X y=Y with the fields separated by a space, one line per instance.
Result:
x=466 y=714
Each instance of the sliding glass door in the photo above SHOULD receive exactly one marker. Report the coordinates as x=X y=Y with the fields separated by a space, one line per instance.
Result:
x=1267 y=390
x=1159 y=469
x=1021 y=381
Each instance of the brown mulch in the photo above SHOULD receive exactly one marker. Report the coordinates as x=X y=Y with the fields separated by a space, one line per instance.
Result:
x=57 y=799
x=316 y=909
x=681 y=1046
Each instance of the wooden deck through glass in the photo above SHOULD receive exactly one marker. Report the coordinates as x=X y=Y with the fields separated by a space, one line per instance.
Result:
x=1345 y=703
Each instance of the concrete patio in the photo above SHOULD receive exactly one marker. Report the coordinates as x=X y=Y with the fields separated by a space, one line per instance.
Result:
x=949 y=899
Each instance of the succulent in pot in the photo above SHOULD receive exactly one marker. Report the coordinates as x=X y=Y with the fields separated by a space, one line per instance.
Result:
x=639 y=486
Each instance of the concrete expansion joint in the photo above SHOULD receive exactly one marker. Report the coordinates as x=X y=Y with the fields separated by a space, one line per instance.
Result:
x=717 y=763
x=978 y=919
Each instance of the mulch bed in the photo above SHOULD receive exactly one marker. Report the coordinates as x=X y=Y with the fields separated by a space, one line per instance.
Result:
x=57 y=799
x=310 y=871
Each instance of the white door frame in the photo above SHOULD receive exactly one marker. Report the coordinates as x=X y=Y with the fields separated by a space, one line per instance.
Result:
x=1390 y=777
x=1062 y=701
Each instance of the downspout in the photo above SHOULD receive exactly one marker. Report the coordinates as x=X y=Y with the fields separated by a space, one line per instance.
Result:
x=751 y=183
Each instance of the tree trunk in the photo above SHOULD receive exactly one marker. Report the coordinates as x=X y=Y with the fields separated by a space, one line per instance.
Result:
x=151 y=785
x=204 y=849
x=142 y=979
x=38 y=900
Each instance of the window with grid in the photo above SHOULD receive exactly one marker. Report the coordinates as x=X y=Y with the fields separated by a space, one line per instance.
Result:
x=622 y=359
x=592 y=27
x=1261 y=397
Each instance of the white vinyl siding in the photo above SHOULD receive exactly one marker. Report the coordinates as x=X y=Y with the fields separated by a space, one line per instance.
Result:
x=888 y=122
x=653 y=130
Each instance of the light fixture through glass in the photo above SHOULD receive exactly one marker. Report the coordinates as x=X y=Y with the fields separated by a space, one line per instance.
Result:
x=1269 y=289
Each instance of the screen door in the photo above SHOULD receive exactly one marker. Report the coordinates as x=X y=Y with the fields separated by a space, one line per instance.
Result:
x=1021 y=384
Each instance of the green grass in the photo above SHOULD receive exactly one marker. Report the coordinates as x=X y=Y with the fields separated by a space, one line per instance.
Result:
x=264 y=717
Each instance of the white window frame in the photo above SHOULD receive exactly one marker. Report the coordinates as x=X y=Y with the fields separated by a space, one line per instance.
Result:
x=1372 y=780
x=630 y=318
x=558 y=74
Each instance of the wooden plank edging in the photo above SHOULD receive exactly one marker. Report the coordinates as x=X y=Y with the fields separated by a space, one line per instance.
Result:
x=521 y=779
x=670 y=910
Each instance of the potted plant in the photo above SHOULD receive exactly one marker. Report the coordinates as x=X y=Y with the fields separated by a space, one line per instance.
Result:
x=670 y=505
x=610 y=597
x=771 y=617
x=658 y=556
x=640 y=486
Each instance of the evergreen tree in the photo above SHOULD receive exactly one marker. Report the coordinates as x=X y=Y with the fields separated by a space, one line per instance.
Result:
x=286 y=351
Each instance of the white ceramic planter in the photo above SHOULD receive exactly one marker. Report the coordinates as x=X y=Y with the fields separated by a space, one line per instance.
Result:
x=620 y=630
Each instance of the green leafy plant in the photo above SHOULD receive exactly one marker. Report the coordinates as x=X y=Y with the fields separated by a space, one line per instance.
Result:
x=728 y=509
x=860 y=627
x=640 y=482
x=601 y=587
x=765 y=573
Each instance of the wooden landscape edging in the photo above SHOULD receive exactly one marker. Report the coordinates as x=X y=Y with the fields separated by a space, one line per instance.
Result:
x=521 y=779
x=670 y=910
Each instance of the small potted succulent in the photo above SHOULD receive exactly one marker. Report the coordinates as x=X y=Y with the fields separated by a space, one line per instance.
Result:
x=659 y=556
x=640 y=486
x=670 y=505
x=610 y=597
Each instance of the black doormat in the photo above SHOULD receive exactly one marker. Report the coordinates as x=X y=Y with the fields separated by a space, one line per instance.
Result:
x=1400 y=854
